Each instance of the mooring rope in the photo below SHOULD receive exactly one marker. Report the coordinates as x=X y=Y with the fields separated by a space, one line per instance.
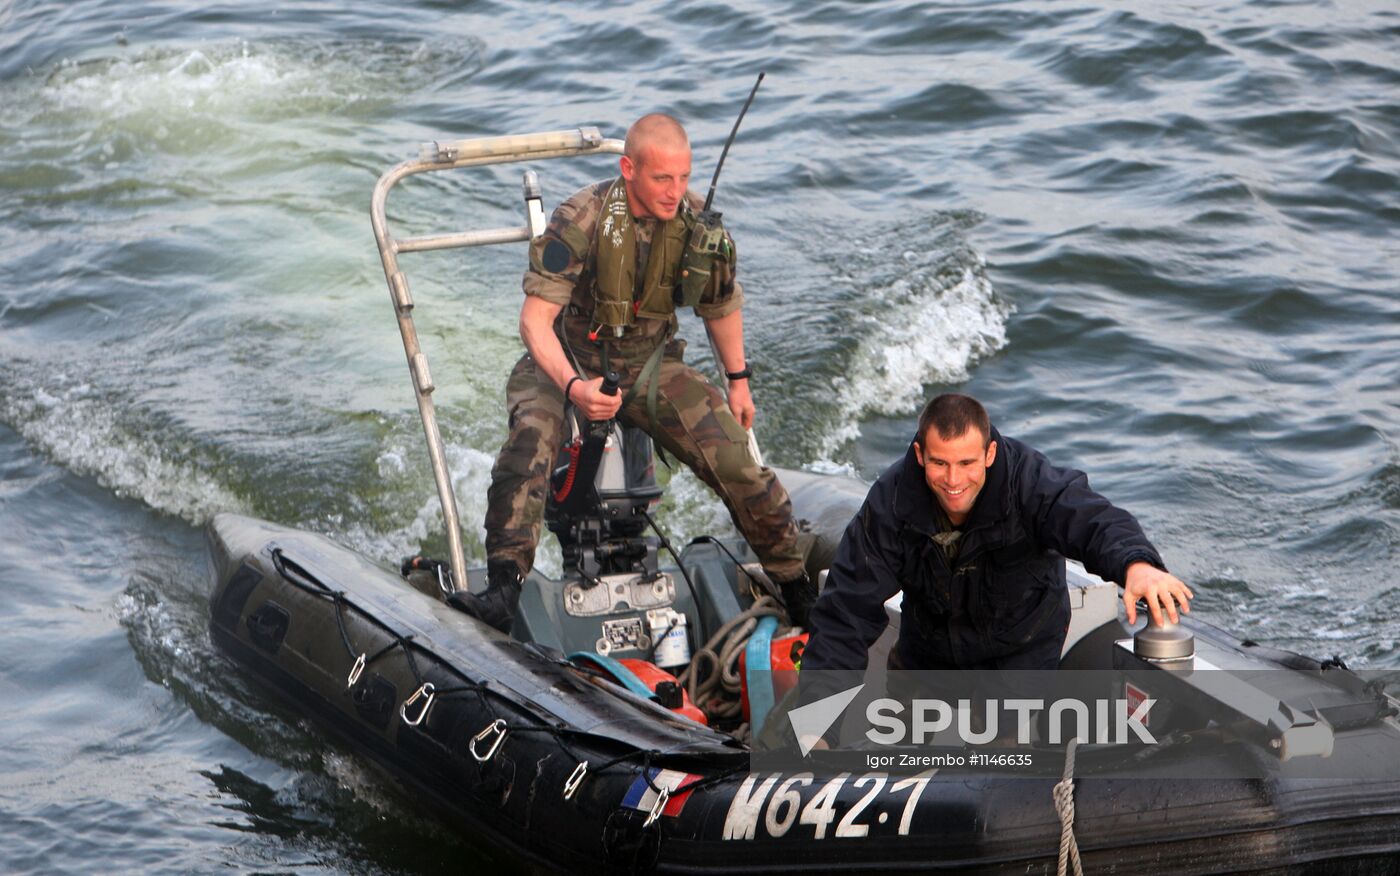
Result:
x=1064 y=805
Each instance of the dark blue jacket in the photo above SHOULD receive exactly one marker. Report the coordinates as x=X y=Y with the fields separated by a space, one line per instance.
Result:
x=1006 y=594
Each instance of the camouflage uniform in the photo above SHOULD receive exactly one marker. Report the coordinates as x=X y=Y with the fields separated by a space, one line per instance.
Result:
x=693 y=420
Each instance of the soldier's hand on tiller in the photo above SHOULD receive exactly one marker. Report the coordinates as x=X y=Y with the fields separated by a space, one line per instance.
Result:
x=589 y=398
x=1158 y=588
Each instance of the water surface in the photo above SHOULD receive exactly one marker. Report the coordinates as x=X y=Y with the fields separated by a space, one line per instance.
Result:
x=1158 y=240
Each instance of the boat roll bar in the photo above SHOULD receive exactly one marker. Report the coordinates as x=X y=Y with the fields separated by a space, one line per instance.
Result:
x=437 y=156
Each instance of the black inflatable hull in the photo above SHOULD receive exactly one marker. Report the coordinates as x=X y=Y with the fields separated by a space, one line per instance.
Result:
x=509 y=726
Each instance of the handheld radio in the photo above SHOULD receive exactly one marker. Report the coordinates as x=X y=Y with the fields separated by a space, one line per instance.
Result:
x=707 y=241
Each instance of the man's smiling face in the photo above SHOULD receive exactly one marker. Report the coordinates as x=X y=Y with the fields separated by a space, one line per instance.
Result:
x=955 y=469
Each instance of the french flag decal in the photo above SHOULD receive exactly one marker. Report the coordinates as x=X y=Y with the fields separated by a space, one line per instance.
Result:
x=641 y=796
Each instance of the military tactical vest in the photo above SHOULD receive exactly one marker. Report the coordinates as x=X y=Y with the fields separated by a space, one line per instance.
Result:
x=615 y=243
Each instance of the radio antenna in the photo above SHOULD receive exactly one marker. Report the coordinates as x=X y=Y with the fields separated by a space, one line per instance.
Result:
x=709 y=199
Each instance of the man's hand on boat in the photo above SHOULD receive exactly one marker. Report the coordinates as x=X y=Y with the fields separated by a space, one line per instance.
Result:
x=727 y=334
x=1159 y=589
x=741 y=403
x=589 y=398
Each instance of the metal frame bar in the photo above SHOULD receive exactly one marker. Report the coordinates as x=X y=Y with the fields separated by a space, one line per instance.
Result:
x=454 y=155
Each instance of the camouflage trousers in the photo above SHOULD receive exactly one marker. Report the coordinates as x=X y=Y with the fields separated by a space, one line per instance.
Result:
x=695 y=426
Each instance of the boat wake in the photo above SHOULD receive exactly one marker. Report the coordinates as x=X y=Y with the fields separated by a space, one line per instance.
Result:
x=318 y=798
x=161 y=89
x=918 y=298
x=87 y=431
x=326 y=795
x=167 y=625
x=389 y=512
x=688 y=509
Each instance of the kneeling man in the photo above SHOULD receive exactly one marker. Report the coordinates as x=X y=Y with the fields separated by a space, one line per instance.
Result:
x=974 y=527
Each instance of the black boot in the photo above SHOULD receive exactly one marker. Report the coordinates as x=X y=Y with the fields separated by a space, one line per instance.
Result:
x=799 y=594
x=495 y=607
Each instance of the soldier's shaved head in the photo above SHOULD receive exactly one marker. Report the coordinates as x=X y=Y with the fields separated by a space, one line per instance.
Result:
x=655 y=130
x=656 y=166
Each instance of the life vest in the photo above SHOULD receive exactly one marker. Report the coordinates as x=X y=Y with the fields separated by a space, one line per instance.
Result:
x=615 y=276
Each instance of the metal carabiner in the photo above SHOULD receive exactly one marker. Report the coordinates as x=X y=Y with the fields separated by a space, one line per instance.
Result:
x=355 y=671
x=575 y=779
x=660 y=804
x=498 y=727
x=425 y=690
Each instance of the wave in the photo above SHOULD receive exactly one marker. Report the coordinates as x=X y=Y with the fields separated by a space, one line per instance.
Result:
x=688 y=509
x=406 y=479
x=925 y=312
x=165 y=86
x=386 y=508
x=321 y=797
x=88 y=432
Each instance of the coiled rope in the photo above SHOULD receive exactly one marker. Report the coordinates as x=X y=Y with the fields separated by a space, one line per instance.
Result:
x=712 y=679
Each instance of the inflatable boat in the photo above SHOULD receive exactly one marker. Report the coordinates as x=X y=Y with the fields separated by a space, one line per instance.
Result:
x=616 y=726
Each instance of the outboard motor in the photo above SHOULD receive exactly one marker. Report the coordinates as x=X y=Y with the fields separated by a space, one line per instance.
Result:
x=603 y=483
x=615 y=599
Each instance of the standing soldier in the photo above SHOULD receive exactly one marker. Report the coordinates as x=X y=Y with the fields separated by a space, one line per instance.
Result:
x=599 y=297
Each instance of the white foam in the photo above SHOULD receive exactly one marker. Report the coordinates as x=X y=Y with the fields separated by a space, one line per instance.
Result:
x=391 y=463
x=1334 y=635
x=1314 y=589
x=152 y=621
x=470 y=471
x=80 y=430
x=828 y=467
x=215 y=82
x=926 y=326
x=365 y=786
x=193 y=99
x=688 y=509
